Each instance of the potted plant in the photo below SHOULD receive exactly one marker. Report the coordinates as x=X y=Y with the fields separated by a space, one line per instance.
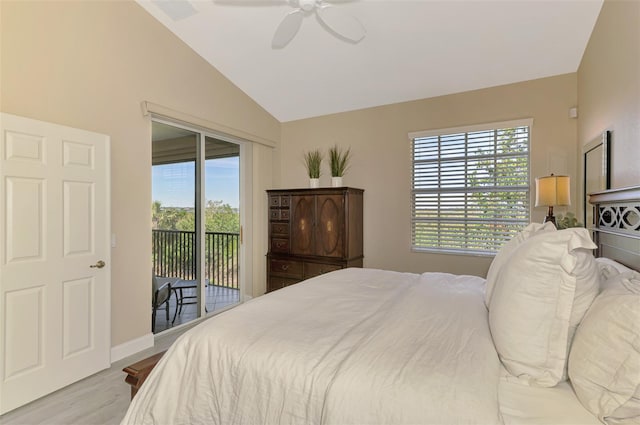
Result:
x=313 y=161
x=567 y=221
x=339 y=161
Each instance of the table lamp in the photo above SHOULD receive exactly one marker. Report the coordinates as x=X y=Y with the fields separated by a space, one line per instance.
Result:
x=551 y=191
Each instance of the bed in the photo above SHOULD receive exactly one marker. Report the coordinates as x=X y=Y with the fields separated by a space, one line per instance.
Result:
x=363 y=346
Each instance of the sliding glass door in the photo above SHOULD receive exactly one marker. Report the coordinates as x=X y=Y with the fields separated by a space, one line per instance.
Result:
x=221 y=223
x=195 y=224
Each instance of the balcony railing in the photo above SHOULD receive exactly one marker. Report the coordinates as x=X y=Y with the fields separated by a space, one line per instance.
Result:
x=174 y=255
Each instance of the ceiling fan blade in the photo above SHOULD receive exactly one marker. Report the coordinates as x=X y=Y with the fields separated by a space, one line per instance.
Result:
x=342 y=24
x=287 y=29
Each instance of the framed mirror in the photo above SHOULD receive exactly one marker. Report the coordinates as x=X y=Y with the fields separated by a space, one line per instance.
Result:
x=596 y=165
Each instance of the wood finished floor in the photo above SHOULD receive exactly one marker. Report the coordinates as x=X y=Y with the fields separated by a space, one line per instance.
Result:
x=102 y=398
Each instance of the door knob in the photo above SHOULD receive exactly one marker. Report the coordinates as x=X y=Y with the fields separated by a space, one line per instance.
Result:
x=100 y=264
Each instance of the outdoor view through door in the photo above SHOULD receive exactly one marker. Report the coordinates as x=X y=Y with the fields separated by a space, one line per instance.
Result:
x=190 y=265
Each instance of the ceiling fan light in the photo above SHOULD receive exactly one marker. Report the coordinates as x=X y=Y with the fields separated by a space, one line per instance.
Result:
x=307 y=5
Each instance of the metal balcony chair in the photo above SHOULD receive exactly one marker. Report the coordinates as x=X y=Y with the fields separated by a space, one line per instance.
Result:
x=181 y=285
x=160 y=296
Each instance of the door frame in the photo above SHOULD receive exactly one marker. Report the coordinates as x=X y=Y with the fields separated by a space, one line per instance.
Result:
x=246 y=206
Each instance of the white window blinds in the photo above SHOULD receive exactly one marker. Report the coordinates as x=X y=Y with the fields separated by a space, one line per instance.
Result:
x=470 y=189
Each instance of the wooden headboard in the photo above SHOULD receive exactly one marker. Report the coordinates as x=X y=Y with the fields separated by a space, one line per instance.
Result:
x=616 y=227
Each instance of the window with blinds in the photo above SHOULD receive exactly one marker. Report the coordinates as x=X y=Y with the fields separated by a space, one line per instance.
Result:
x=470 y=189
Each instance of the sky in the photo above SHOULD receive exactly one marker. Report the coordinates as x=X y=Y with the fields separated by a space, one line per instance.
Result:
x=174 y=184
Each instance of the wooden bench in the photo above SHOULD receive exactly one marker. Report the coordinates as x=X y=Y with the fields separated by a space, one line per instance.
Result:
x=137 y=373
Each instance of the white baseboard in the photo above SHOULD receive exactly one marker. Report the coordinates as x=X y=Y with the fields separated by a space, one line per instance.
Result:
x=121 y=351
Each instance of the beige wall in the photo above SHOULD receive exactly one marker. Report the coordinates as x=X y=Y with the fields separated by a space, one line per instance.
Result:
x=90 y=65
x=382 y=157
x=609 y=88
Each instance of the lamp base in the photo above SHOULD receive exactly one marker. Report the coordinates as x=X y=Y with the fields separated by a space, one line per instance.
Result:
x=550 y=217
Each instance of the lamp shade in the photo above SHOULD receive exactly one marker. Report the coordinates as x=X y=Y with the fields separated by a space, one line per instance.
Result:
x=552 y=190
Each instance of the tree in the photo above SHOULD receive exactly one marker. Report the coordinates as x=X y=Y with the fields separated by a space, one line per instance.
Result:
x=174 y=241
x=221 y=217
x=171 y=218
x=507 y=170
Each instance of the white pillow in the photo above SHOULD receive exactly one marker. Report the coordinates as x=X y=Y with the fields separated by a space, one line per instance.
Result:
x=604 y=364
x=609 y=268
x=539 y=299
x=507 y=249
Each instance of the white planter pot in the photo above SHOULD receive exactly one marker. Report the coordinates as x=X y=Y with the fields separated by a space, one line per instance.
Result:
x=336 y=181
x=314 y=183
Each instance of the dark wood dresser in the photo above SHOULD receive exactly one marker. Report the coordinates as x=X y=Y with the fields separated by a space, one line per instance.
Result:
x=311 y=232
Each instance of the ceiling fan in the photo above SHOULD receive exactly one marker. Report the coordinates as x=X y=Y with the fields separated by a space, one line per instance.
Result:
x=340 y=24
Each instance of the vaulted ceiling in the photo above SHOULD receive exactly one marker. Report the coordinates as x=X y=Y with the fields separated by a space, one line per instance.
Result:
x=412 y=49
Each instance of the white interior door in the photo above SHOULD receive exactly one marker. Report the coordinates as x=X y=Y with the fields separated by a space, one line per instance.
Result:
x=54 y=234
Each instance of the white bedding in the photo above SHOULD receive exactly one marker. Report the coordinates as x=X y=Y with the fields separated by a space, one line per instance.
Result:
x=525 y=405
x=353 y=346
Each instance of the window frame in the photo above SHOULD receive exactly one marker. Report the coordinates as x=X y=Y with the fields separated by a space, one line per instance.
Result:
x=525 y=122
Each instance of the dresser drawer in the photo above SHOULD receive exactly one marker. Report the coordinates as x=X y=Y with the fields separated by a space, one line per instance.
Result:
x=277 y=282
x=278 y=214
x=316 y=269
x=281 y=229
x=279 y=245
x=286 y=268
x=279 y=201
